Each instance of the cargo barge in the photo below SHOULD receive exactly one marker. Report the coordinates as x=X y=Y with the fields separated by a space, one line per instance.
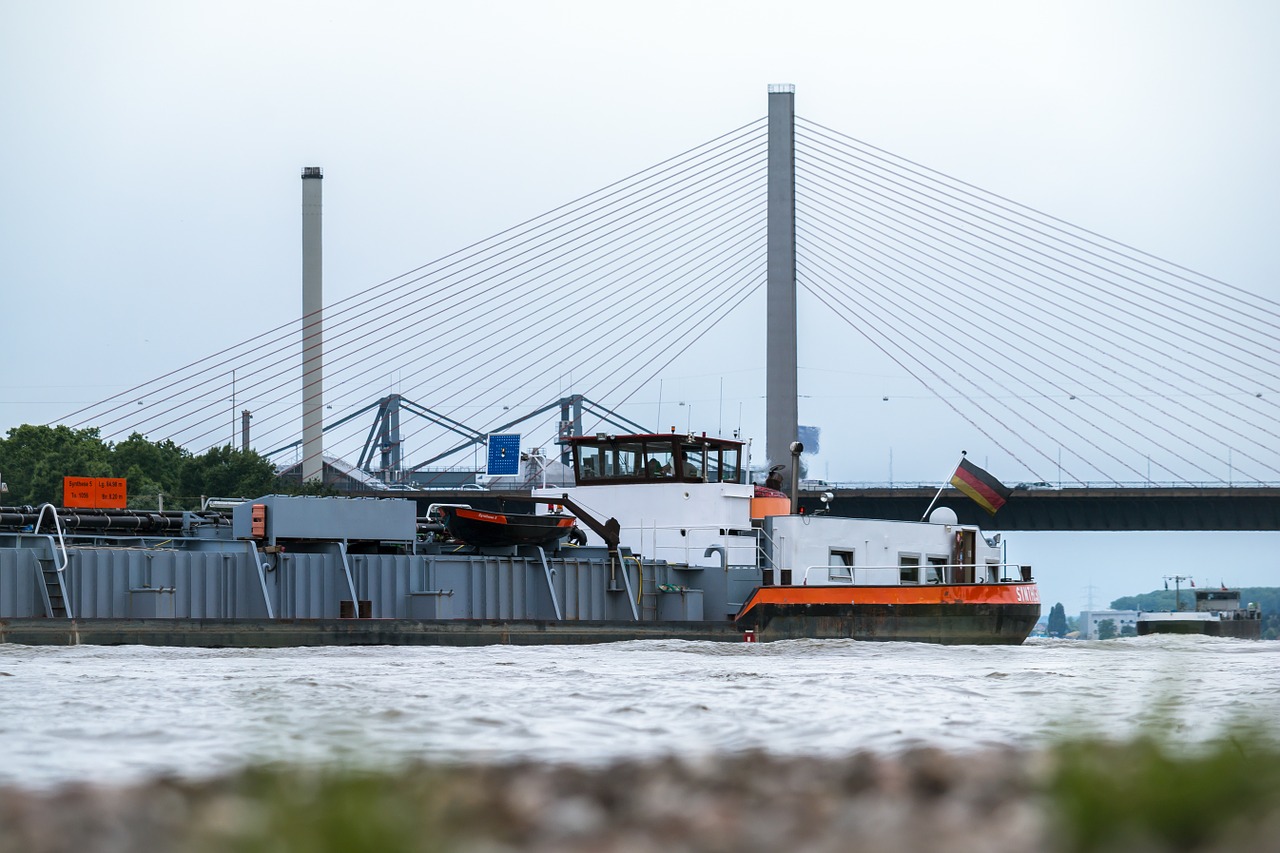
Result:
x=1218 y=613
x=660 y=537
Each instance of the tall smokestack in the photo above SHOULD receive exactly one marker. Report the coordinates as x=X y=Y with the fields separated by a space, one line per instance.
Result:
x=312 y=329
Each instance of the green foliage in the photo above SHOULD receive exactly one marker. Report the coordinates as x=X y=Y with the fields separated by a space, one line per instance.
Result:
x=1057 y=624
x=337 y=811
x=1107 y=629
x=228 y=472
x=1144 y=796
x=160 y=463
x=35 y=459
x=1160 y=599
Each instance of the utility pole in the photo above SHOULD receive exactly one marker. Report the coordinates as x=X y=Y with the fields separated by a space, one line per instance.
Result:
x=1089 y=591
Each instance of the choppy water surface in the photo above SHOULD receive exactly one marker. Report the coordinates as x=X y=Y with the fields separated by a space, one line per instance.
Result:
x=115 y=714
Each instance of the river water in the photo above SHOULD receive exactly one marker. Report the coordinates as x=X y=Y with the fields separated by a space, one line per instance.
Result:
x=117 y=714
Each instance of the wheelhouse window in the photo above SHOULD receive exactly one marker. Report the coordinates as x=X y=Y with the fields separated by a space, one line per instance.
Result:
x=655 y=458
x=694 y=464
x=659 y=462
x=592 y=462
x=630 y=460
x=726 y=465
x=935 y=571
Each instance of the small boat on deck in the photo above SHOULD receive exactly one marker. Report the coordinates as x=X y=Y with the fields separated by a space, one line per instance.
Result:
x=485 y=529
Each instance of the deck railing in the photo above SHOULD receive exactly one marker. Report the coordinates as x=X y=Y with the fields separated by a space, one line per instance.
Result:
x=1008 y=573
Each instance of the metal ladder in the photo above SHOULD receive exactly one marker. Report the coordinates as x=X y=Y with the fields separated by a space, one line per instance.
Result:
x=55 y=589
x=55 y=598
x=649 y=604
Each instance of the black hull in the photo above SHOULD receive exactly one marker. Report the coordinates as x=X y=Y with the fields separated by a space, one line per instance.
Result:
x=946 y=624
x=1239 y=629
x=485 y=530
x=293 y=633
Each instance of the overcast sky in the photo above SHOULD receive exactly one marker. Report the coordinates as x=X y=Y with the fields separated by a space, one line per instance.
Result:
x=149 y=209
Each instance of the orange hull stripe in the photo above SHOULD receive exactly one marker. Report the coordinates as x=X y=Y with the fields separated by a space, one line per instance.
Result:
x=931 y=594
x=495 y=518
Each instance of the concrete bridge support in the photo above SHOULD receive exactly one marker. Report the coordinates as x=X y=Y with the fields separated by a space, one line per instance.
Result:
x=782 y=410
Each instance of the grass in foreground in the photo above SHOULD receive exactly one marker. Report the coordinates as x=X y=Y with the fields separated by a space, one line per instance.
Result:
x=1146 y=795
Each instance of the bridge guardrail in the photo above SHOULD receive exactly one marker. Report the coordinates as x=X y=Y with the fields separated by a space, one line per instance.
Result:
x=1063 y=486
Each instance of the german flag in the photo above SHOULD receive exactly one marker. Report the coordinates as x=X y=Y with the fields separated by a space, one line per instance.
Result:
x=989 y=492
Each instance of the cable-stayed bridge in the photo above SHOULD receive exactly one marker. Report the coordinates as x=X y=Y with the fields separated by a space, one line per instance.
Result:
x=1066 y=356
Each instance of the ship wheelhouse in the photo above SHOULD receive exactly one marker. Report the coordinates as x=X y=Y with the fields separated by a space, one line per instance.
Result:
x=605 y=459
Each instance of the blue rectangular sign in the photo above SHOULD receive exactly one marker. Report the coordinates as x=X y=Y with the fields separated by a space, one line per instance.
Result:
x=504 y=454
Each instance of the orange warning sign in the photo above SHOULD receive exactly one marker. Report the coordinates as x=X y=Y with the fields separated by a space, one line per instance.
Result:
x=94 y=492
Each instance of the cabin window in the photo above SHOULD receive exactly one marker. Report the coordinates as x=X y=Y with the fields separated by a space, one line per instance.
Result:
x=934 y=572
x=657 y=458
x=719 y=464
x=629 y=460
x=908 y=568
x=617 y=463
x=592 y=463
x=694 y=466
x=840 y=562
x=730 y=469
x=625 y=460
x=993 y=572
x=658 y=461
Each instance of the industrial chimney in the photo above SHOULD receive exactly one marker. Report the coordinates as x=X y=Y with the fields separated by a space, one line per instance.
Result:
x=312 y=329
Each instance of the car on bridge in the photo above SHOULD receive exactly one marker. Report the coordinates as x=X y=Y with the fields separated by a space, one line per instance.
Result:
x=815 y=485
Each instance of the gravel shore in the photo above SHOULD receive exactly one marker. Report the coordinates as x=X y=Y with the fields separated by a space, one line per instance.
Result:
x=925 y=799
x=986 y=802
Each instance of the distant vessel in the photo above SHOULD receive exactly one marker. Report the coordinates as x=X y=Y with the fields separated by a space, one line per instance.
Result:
x=1217 y=614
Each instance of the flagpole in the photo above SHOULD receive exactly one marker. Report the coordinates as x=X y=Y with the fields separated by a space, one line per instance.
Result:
x=945 y=482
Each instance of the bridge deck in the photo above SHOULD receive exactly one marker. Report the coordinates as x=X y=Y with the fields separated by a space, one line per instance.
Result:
x=1209 y=508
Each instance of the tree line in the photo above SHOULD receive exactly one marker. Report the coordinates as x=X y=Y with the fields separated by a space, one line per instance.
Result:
x=34 y=460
